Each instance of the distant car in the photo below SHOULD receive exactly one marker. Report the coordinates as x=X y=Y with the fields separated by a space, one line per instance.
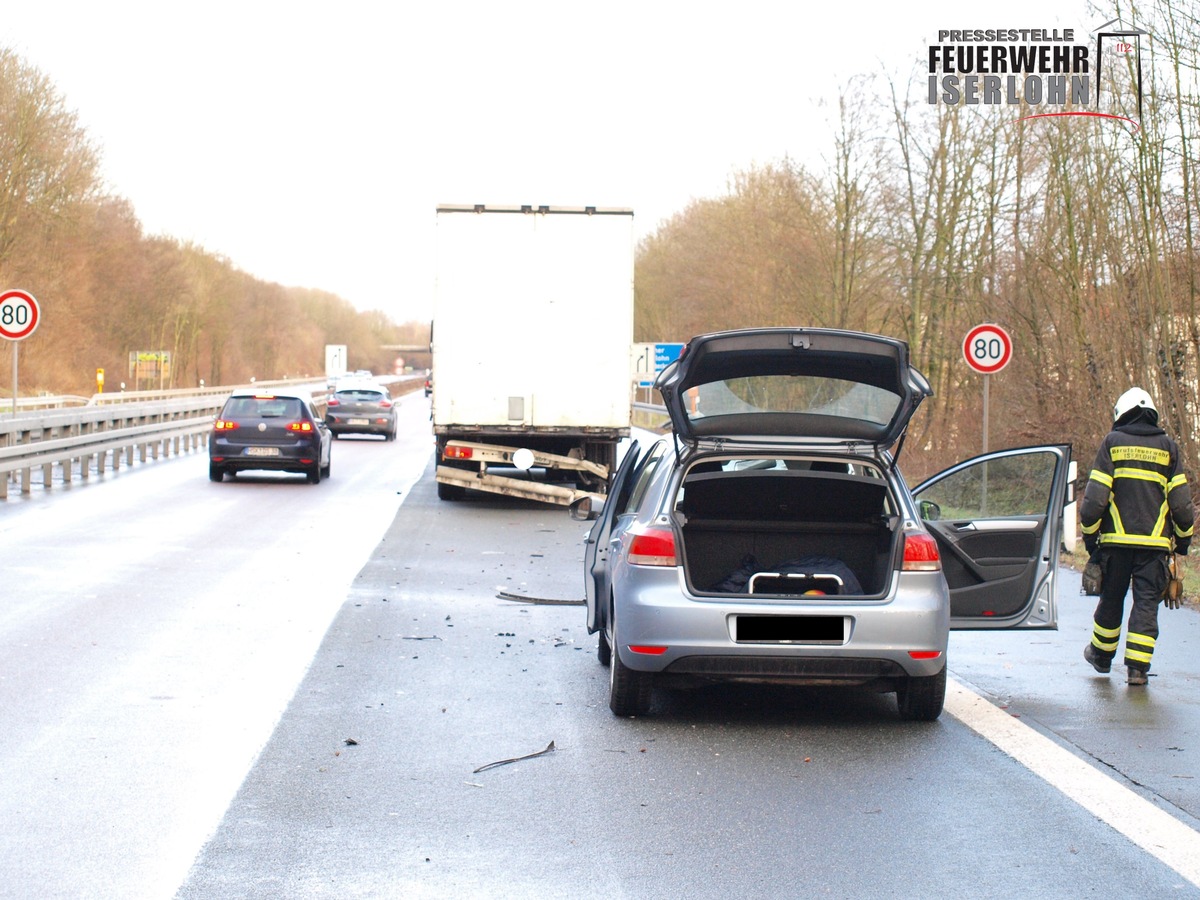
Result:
x=772 y=539
x=361 y=407
x=363 y=373
x=269 y=430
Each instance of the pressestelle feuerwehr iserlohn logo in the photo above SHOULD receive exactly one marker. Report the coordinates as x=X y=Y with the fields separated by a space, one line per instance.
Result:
x=1046 y=71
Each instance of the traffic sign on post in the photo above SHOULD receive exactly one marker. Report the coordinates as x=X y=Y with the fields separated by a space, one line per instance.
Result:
x=987 y=349
x=647 y=360
x=19 y=315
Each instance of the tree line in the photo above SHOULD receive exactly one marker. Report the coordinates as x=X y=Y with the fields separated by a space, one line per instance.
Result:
x=1076 y=234
x=107 y=289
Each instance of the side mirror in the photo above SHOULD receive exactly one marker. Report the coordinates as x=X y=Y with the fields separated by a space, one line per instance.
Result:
x=929 y=510
x=586 y=509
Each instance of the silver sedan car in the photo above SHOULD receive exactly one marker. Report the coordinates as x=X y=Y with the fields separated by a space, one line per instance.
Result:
x=772 y=539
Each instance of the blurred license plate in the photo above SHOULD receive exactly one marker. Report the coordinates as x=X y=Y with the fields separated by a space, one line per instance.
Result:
x=360 y=421
x=792 y=629
x=262 y=451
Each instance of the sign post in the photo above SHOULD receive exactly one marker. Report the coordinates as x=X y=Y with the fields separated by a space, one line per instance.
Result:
x=987 y=349
x=19 y=318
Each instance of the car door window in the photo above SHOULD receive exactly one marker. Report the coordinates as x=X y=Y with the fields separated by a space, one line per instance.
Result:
x=997 y=522
x=995 y=488
x=643 y=477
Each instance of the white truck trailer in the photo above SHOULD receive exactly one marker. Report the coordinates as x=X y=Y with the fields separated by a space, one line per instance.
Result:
x=532 y=330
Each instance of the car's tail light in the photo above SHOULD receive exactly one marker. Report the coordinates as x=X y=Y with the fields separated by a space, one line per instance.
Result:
x=921 y=553
x=385 y=404
x=652 y=546
x=224 y=425
x=457 y=453
x=924 y=654
x=333 y=401
x=300 y=427
x=648 y=649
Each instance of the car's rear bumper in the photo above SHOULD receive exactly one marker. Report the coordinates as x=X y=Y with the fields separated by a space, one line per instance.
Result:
x=291 y=458
x=904 y=633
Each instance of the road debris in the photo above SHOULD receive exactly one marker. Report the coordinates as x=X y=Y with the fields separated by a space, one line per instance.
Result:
x=541 y=601
x=505 y=762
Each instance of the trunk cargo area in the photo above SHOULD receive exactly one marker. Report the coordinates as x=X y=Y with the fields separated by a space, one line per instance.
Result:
x=736 y=523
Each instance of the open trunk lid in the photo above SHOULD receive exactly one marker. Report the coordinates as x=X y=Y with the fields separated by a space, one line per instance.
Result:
x=784 y=385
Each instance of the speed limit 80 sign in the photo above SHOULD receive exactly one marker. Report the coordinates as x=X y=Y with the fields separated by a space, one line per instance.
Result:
x=19 y=315
x=987 y=349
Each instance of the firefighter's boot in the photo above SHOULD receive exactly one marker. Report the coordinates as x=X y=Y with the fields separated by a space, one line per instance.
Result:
x=1098 y=661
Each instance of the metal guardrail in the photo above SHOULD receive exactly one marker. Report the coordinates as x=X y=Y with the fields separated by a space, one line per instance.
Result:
x=124 y=427
x=84 y=439
x=651 y=416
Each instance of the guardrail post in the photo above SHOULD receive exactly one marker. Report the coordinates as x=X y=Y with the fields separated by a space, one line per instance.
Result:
x=27 y=472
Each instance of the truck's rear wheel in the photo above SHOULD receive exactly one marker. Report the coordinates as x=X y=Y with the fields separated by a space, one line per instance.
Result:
x=449 y=491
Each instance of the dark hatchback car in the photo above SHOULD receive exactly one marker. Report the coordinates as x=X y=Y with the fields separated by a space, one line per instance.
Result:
x=772 y=539
x=267 y=430
x=361 y=408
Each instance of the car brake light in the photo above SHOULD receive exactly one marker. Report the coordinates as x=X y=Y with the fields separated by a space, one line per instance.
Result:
x=921 y=553
x=649 y=650
x=224 y=425
x=924 y=654
x=333 y=401
x=652 y=546
x=386 y=404
x=300 y=427
x=458 y=453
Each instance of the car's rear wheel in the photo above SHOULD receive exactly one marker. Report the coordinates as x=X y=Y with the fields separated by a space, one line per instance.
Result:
x=629 y=691
x=314 y=474
x=921 y=699
x=327 y=468
x=215 y=473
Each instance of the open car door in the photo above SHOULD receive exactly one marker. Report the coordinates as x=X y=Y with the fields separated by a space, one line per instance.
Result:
x=997 y=520
x=595 y=548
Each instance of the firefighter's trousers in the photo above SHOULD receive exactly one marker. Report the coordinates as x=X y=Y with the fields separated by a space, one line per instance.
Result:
x=1146 y=572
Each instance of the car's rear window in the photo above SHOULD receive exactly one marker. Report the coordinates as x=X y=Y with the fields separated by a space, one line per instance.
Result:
x=264 y=408
x=360 y=396
x=824 y=396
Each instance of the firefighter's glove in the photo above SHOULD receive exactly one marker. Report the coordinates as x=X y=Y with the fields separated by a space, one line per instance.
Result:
x=1173 y=595
x=1091 y=542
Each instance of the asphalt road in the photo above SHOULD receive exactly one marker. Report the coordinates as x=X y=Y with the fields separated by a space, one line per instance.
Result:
x=263 y=689
x=371 y=785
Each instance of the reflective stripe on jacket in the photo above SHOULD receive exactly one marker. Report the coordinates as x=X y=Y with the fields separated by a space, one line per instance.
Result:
x=1136 y=494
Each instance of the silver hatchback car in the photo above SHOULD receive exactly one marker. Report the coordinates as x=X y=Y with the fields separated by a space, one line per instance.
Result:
x=771 y=537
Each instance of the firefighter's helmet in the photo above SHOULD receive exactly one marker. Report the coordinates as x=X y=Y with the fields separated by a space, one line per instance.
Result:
x=1134 y=398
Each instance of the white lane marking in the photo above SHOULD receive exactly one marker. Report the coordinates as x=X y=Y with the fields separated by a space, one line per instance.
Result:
x=1152 y=829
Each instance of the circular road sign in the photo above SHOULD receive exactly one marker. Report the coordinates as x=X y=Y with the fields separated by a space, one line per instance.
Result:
x=19 y=315
x=987 y=349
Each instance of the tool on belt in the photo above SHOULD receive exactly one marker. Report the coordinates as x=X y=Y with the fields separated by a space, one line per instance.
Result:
x=1173 y=595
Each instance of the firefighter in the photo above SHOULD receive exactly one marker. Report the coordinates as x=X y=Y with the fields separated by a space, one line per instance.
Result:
x=1137 y=509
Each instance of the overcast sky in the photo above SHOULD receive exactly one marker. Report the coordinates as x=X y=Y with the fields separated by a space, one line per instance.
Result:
x=309 y=143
